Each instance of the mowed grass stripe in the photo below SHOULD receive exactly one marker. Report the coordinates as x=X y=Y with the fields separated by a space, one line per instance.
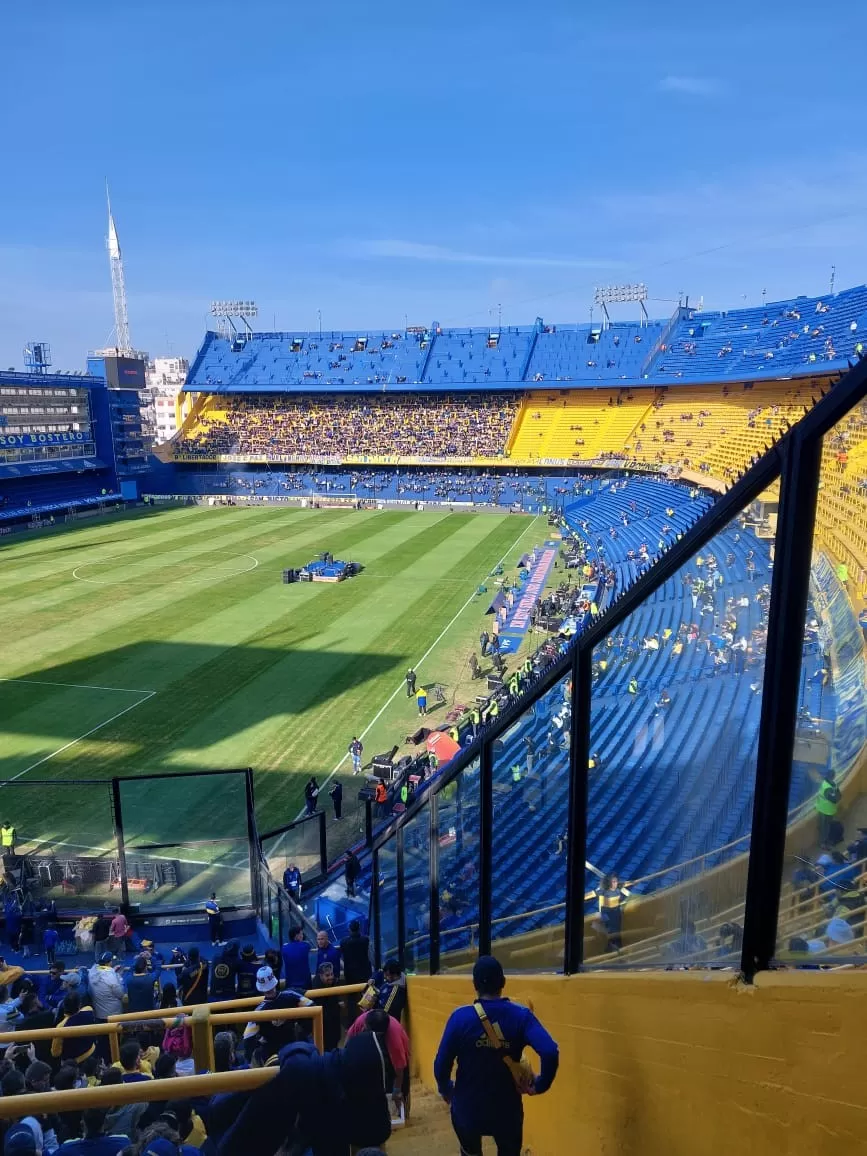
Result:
x=276 y=676
x=145 y=555
x=370 y=640
x=122 y=612
x=129 y=535
x=225 y=675
x=410 y=629
x=148 y=663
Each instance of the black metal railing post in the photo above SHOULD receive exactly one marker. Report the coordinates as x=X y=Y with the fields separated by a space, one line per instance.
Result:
x=253 y=848
x=576 y=850
x=790 y=589
x=486 y=844
x=434 y=881
x=323 y=843
x=401 y=908
x=374 y=910
x=117 y=808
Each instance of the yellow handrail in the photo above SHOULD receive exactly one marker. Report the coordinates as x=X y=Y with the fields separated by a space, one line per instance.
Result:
x=142 y=1091
x=247 y=1001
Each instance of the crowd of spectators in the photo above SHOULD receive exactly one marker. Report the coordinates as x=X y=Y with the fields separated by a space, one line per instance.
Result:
x=162 y=1048
x=409 y=425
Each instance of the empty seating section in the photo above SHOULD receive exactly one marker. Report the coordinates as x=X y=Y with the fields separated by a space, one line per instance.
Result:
x=422 y=425
x=664 y=791
x=781 y=339
x=473 y=356
x=577 y=424
x=592 y=353
x=786 y=337
x=281 y=360
x=717 y=430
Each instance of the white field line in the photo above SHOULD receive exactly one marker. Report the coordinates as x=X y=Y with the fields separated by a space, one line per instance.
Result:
x=155 y=573
x=77 y=685
x=132 y=851
x=148 y=695
x=426 y=654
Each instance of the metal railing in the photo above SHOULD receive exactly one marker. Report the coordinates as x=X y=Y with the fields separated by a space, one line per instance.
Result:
x=795 y=462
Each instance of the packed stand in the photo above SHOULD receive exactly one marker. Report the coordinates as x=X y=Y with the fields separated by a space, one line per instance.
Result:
x=368 y=1077
x=423 y=425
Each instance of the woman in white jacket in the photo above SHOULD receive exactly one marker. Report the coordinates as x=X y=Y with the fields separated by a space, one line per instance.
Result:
x=106 y=987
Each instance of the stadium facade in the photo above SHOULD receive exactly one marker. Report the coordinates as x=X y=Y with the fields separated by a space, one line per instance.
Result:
x=70 y=443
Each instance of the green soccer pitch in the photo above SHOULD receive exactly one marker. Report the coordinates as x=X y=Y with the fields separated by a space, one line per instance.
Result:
x=166 y=641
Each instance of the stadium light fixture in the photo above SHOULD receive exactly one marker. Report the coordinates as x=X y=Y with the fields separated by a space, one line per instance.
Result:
x=227 y=309
x=615 y=294
x=244 y=311
x=606 y=295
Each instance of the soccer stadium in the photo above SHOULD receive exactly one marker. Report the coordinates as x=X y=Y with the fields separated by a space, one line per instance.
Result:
x=545 y=641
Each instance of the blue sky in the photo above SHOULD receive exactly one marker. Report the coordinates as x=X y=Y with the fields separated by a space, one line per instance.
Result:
x=394 y=160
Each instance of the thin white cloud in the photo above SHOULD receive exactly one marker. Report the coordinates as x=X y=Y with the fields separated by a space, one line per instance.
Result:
x=691 y=85
x=417 y=251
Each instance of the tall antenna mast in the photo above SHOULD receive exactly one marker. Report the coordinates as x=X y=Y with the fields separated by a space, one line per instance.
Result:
x=118 y=285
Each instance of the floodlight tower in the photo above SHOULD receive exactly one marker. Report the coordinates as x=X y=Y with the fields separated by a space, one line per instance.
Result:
x=606 y=295
x=118 y=286
x=244 y=311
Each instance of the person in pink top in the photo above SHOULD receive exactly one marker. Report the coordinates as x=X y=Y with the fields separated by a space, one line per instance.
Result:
x=118 y=932
x=396 y=1044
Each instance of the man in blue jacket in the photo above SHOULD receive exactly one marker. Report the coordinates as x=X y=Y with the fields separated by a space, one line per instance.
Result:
x=296 y=960
x=484 y=1097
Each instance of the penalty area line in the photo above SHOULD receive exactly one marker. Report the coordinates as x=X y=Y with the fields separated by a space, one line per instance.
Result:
x=148 y=695
x=426 y=654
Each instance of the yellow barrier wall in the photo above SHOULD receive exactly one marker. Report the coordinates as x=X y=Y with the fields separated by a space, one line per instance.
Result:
x=685 y=1064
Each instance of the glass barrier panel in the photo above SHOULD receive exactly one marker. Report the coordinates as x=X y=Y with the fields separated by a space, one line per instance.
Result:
x=416 y=875
x=185 y=836
x=348 y=830
x=298 y=846
x=824 y=894
x=458 y=862
x=677 y=696
x=64 y=851
x=388 y=938
x=531 y=804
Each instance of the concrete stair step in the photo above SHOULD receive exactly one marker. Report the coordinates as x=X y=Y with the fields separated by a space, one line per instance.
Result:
x=429 y=1131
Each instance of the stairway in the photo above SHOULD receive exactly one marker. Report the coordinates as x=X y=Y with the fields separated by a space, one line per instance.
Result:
x=429 y=1131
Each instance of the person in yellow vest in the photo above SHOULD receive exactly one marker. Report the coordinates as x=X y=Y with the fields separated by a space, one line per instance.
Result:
x=826 y=803
x=475 y=720
x=7 y=838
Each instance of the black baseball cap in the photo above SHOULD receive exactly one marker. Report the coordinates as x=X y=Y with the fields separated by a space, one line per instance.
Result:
x=488 y=974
